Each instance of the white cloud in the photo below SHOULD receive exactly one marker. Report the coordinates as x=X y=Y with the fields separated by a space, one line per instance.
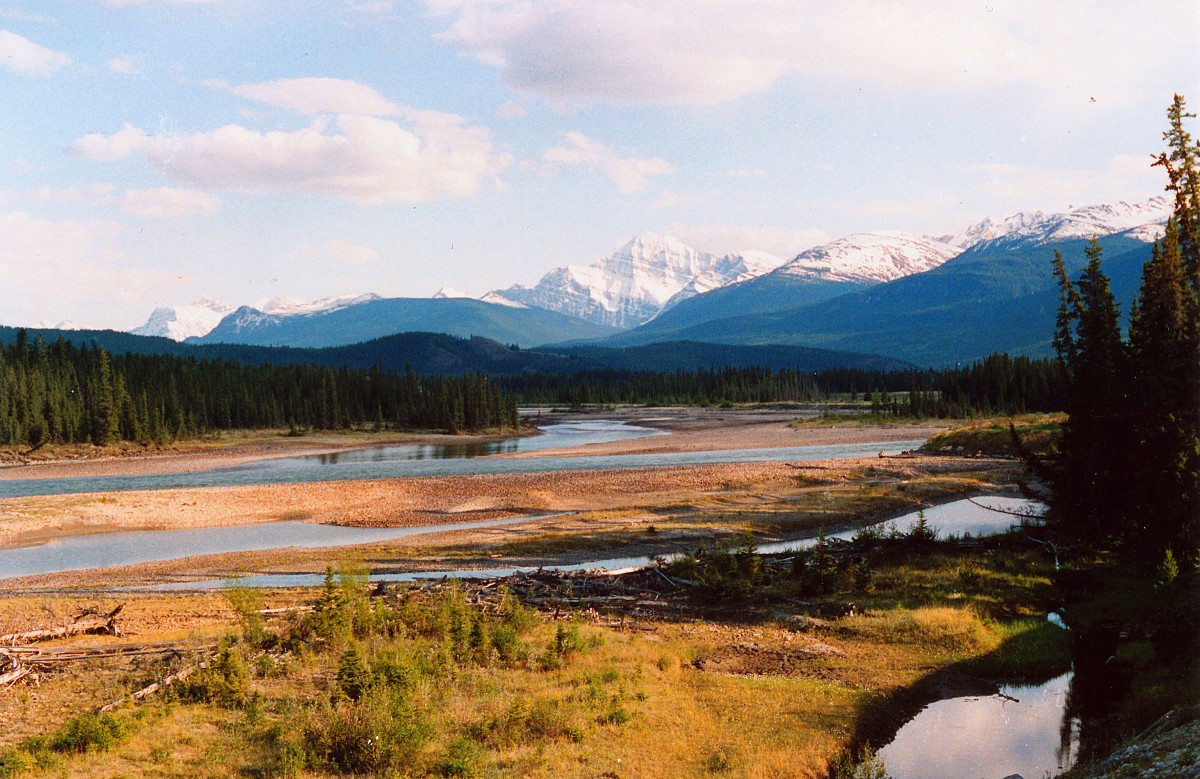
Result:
x=312 y=96
x=670 y=199
x=630 y=174
x=359 y=158
x=28 y=58
x=156 y=202
x=341 y=251
x=127 y=3
x=1124 y=177
x=727 y=239
x=126 y=66
x=168 y=201
x=709 y=51
x=1001 y=189
x=60 y=270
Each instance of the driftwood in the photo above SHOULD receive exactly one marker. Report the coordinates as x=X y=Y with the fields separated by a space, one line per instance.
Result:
x=89 y=622
x=16 y=674
x=150 y=689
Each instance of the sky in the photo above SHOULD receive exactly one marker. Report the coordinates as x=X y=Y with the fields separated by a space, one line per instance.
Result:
x=157 y=151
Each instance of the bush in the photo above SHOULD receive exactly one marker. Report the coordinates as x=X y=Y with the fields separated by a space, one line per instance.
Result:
x=225 y=681
x=353 y=676
x=463 y=758
x=89 y=732
x=376 y=735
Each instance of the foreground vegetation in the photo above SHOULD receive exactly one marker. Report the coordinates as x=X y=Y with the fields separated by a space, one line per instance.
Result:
x=769 y=675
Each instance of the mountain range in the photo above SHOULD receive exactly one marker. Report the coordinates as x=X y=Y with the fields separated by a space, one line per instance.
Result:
x=927 y=300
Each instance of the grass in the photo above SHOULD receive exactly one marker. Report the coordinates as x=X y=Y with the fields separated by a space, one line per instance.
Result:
x=1038 y=433
x=431 y=685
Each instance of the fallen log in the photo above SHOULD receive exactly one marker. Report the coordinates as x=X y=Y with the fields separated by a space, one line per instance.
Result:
x=15 y=674
x=89 y=622
x=150 y=689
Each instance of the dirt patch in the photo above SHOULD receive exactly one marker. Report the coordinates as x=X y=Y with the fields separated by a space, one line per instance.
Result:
x=752 y=659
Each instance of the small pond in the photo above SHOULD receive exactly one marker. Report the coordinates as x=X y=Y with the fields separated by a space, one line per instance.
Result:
x=1024 y=731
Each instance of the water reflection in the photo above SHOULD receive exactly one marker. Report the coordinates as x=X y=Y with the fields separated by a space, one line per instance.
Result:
x=390 y=462
x=1025 y=730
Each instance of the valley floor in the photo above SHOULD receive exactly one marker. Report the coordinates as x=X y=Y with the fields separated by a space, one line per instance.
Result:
x=759 y=673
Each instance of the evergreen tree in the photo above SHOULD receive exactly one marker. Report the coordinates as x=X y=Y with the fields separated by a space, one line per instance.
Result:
x=1129 y=468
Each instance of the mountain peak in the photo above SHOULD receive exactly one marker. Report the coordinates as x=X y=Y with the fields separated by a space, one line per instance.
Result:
x=869 y=258
x=1097 y=220
x=179 y=322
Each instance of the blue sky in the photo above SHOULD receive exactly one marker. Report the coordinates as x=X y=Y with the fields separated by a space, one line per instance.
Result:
x=152 y=152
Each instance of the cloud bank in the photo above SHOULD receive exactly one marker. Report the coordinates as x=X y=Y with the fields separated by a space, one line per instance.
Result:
x=704 y=52
x=356 y=155
x=28 y=58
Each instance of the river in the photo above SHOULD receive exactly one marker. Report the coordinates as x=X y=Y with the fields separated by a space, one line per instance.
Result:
x=407 y=461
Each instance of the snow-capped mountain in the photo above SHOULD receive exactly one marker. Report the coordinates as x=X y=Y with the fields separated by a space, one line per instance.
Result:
x=179 y=322
x=66 y=324
x=633 y=284
x=496 y=299
x=201 y=316
x=730 y=269
x=868 y=258
x=292 y=307
x=1142 y=221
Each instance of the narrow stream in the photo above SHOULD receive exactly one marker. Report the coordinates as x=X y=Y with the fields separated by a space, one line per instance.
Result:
x=106 y=550
x=985 y=516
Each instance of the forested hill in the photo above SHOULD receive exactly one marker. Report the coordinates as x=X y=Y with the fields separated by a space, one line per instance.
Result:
x=437 y=353
x=60 y=393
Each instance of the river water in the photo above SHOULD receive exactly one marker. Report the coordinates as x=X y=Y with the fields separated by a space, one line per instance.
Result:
x=390 y=462
x=984 y=516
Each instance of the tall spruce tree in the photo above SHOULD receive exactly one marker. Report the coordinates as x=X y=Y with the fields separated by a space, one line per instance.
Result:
x=1129 y=468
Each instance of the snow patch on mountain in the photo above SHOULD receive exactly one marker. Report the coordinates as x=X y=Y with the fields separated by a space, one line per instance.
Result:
x=869 y=258
x=179 y=322
x=66 y=324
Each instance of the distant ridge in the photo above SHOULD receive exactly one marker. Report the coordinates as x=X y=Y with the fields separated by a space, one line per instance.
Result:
x=438 y=353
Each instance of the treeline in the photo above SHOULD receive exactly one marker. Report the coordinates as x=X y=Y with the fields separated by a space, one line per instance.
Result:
x=61 y=393
x=998 y=384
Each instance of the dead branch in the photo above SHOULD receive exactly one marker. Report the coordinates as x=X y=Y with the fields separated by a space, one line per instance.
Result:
x=87 y=622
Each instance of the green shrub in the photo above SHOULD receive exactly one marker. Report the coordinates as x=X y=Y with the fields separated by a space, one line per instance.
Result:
x=376 y=735
x=353 y=676
x=89 y=732
x=225 y=681
x=463 y=758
